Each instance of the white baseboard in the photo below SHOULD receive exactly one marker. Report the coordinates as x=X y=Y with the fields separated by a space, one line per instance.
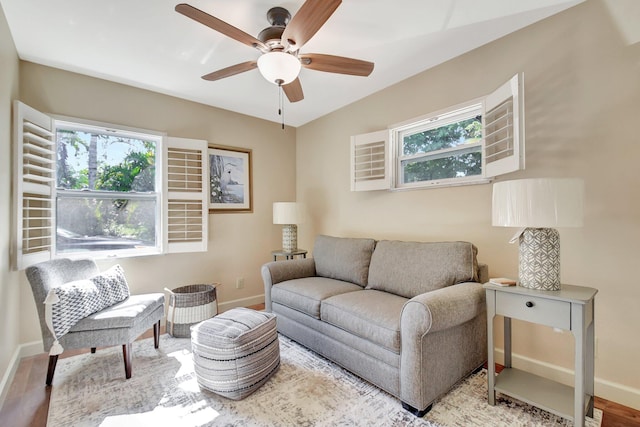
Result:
x=243 y=302
x=615 y=392
x=8 y=376
x=23 y=350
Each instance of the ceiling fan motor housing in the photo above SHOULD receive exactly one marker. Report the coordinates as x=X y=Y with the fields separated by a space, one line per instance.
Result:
x=278 y=17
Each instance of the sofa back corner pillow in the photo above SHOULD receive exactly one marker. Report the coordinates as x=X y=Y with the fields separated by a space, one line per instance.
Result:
x=343 y=258
x=71 y=302
x=411 y=268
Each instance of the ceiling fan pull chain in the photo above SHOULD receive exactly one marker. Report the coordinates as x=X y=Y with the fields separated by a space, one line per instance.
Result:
x=280 y=101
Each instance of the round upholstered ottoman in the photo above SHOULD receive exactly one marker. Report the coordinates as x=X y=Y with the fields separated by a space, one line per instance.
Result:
x=235 y=352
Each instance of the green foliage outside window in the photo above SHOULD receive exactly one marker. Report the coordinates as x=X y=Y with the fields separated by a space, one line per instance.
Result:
x=134 y=172
x=455 y=164
x=86 y=161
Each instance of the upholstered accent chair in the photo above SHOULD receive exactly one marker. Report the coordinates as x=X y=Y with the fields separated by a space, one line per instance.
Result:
x=118 y=324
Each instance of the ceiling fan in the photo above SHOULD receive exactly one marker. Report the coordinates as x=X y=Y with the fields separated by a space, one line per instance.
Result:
x=280 y=43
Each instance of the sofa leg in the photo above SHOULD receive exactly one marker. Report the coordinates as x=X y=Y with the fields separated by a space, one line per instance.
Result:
x=93 y=350
x=126 y=353
x=417 y=412
x=156 y=334
x=53 y=360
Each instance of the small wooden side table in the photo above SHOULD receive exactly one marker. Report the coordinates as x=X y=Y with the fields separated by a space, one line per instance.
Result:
x=287 y=254
x=572 y=309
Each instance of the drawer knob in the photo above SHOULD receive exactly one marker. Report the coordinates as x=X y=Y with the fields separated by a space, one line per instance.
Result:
x=529 y=304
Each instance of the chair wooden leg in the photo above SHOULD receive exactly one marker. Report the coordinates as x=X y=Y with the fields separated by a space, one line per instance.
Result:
x=93 y=350
x=126 y=352
x=53 y=360
x=156 y=334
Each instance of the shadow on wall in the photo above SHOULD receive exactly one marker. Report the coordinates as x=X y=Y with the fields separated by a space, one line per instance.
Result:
x=554 y=126
x=562 y=117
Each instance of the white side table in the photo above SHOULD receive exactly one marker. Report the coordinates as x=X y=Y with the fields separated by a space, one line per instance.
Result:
x=571 y=308
x=288 y=254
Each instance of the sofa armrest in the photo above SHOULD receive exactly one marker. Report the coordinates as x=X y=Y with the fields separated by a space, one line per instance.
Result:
x=443 y=336
x=280 y=271
x=483 y=273
x=443 y=308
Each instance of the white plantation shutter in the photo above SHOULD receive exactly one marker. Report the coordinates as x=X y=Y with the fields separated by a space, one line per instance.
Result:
x=185 y=195
x=503 y=128
x=370 y=166
x=34 y=186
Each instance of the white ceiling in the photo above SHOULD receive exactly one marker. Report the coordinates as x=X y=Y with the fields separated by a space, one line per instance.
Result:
x=146 y=44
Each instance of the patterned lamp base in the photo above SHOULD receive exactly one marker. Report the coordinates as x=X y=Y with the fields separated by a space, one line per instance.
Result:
x=540 y=259
x=289 y=237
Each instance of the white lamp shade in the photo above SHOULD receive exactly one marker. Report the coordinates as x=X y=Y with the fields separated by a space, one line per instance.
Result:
x=287 y=213
x=279 y=67
x=538 y=203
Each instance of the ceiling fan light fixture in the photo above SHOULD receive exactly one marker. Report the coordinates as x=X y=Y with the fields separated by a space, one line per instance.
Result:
x=279 y=67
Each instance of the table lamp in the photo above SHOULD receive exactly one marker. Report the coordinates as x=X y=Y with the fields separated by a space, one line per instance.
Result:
x=289 y=215
x=538 y=205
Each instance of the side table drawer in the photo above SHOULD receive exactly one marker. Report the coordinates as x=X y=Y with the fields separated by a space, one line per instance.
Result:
x=554 y=313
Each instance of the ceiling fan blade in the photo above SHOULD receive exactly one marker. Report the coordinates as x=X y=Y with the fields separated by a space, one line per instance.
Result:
x=307 y=21
x=293 y=91
x=220 y=26
x=336 y=64
x=231 y=71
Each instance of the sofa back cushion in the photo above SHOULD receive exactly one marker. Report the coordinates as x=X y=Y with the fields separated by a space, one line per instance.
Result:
x=412 y=268
x=343 y=258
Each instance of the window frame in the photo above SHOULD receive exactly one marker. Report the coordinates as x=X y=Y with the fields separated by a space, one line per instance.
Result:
x=432 y=121
x=181 y=170
x=82 y=125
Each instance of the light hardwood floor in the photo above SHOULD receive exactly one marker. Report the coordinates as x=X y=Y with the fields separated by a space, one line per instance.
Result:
x=27 y=402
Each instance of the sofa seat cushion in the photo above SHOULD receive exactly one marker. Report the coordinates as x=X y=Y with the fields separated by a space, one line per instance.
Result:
x=343 y=258
x=125 y=314
x=409 y=269
x=307 y=293
x=369 y=314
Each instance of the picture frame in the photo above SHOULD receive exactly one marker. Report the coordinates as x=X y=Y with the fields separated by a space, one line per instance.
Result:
x=230 y=180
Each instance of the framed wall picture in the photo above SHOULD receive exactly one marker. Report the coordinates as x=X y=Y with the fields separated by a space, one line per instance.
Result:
x=230 y=180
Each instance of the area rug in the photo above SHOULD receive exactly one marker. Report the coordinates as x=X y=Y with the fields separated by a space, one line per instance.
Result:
x=307 y=390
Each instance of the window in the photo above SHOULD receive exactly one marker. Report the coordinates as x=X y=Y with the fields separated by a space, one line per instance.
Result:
x=440 y=148
x=469 y=143
x=107 y=190
x=92 y=190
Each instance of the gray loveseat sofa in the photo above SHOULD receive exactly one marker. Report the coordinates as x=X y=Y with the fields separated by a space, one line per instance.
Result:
x=408 y=317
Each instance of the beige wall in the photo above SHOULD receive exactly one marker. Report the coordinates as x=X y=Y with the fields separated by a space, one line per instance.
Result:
x=582 y=103
x=9 y=285
x=238 y=243
x=582 y=96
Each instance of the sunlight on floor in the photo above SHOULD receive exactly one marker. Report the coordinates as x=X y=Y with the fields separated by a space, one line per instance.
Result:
x=199 y=412
x=161 y=416
x=185 y=359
